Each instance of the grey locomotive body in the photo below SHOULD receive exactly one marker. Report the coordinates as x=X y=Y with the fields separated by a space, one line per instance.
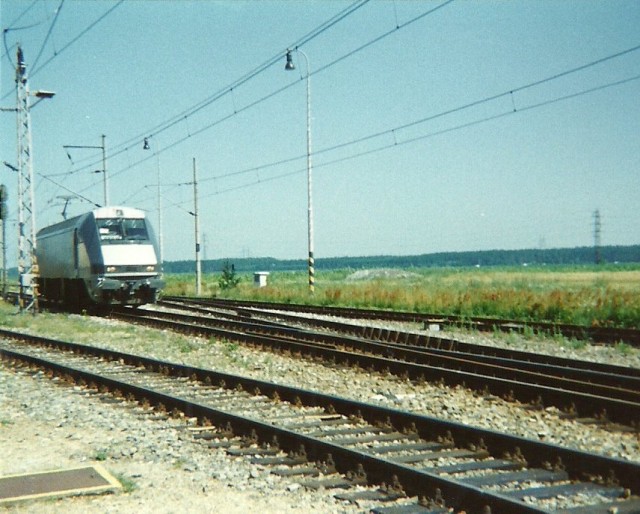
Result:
x=106 y=256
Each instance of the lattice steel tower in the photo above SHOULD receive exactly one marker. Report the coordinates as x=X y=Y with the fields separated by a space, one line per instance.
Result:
x=27 y=265
x=597 y=242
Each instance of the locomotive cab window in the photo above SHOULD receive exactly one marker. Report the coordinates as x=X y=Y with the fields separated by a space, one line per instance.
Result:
x=117 y=230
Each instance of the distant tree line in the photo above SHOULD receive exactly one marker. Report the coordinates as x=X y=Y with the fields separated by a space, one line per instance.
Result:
x=553 y=256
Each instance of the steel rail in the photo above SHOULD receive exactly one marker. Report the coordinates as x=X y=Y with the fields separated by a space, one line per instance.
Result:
x=415 y=482
x=587 y=399
x=609 y=335
x=377 y=470
x=618 y=376
x=617 y=382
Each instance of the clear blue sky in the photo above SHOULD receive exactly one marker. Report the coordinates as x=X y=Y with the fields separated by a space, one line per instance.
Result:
x=525 y=170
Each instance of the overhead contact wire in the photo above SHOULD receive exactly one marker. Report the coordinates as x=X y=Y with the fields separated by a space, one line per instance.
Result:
x=410 y=124
x=161 y=127
x=418 y=138
x=270 y=95
x=46 y=39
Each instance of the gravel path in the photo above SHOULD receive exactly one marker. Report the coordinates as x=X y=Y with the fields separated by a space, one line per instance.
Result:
x=44 y=426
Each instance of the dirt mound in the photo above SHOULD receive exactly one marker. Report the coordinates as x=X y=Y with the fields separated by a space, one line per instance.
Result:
x=377 y=274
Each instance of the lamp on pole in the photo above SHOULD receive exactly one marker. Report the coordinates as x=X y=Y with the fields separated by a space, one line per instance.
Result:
x=311 y=263
x=104 y=165
x=147 y=146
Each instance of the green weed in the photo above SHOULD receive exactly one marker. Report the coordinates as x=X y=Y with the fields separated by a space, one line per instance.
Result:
x=623 y=348
x=185 y=346
x=128 y=485
x=511 y=338
x=230 y=348
x=179 y=463
x=576 y=344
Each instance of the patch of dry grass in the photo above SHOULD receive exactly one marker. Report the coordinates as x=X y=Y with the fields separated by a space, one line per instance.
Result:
x=588 y=296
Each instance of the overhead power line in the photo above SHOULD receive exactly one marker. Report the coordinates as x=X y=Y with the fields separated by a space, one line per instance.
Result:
x=408 y=125
x=395 y=144
x=323 y=27
x=22 y=14
x=274 y=60
x=447 y=112
x=70 y=43
x=46 y=39
x=119 y=148
x=81 y=34
x=320 y=29
x=77 y=195
x=12 y=27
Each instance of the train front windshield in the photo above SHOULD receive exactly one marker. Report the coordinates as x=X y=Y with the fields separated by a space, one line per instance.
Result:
x=122 y=230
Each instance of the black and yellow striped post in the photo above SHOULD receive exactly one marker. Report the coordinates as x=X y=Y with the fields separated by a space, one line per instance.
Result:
x=312 y=274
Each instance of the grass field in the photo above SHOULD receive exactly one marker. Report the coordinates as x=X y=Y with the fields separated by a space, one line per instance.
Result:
x=594 y=296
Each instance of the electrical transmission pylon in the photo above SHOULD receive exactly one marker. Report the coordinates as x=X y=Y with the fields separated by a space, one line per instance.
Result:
x=27 y=264
x=597 y=227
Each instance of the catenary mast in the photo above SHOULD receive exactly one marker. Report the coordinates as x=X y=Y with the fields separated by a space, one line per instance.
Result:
x=27 y=265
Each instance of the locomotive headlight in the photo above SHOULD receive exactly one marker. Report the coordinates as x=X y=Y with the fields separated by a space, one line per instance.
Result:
x=151 y=268
x=111 y=269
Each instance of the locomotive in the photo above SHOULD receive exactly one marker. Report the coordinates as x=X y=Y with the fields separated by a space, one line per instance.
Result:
x=103 y=257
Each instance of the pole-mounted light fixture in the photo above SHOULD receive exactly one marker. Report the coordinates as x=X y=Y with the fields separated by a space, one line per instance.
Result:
x=44 y=94
x=289 y=65
x=311 y=260
x=41 y=95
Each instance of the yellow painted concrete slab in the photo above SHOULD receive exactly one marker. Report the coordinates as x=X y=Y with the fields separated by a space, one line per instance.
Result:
x=54 y=484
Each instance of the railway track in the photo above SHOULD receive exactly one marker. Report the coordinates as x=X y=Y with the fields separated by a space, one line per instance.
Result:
x=607 y=335
x=591 y=392
x=400 y=462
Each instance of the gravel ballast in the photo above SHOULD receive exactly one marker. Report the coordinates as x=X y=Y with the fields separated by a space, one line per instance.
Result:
x=163 y=469
x=47 y=426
